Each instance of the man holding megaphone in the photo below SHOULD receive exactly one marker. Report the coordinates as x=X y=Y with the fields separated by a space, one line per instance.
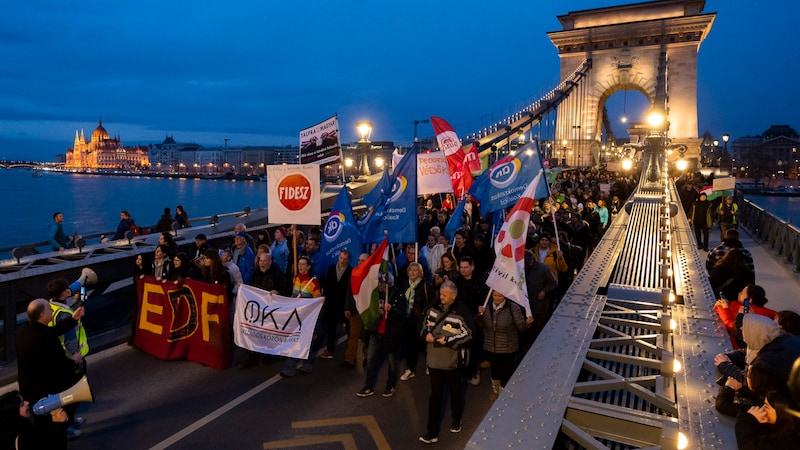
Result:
x=44 y=368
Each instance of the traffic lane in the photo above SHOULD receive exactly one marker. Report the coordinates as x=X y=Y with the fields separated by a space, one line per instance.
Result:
x=142 y=402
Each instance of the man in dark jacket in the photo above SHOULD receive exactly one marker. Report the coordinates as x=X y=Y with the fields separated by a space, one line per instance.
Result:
x=43 y=368
x=447 y=328
x=701 y=220
x=336 y=288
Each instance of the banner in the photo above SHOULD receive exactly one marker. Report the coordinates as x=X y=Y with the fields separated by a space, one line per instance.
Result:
x=320 y=144
x=472 y=160
x=274 y=324
x=340 y=232
x=432 y=174
x=507 y=275
x=501 y=185
x=293 y=194
x=188 y=320
x=391 y=215
x=448 y=142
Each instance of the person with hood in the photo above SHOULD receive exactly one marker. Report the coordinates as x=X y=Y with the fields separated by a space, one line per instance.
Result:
x=727 y=311
x=757 y=331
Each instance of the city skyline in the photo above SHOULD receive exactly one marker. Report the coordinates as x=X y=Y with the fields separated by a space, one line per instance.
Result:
x=257 y=73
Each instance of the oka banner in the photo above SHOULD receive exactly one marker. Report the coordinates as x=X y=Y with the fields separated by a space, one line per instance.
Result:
x=187 y=320
x=320 y=144
x=273 y=324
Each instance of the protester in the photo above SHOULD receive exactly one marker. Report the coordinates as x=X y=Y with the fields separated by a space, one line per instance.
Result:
x=417 y=294
x=355 y=327
x=701 y=219
x=280 y=249
x=728 y=310
x=165 y=223
x=161 y=265
x=447 y=329
x=337 y=288
x=501 y=322
x=304 y=286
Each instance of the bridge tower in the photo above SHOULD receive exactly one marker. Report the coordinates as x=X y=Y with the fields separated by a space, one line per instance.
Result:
x=649 y=47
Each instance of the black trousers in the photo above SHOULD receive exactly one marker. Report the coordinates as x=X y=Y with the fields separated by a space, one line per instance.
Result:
x=439 y=379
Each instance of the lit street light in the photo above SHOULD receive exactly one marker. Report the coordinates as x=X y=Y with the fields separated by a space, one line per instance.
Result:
x=364 y=129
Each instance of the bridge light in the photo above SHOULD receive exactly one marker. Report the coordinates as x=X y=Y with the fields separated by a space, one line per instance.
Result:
x=681 y=164
x=655 y=119
x=627 y=164
x=683 y=441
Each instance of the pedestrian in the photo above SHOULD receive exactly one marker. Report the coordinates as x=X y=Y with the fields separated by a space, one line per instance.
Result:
x=701 y=220
x=447 y=329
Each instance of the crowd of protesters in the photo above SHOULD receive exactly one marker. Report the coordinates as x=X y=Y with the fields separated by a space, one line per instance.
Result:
x=754 y=379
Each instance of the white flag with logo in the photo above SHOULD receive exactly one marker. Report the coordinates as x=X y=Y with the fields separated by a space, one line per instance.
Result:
x=293 y=194
x=274 y=324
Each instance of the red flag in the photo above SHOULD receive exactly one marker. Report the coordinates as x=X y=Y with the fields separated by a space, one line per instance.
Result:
x=472 y=160
x=449 y=144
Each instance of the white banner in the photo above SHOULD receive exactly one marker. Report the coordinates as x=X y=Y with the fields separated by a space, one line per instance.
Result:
x=273 y=324
x=433 y=175
x=293 y=194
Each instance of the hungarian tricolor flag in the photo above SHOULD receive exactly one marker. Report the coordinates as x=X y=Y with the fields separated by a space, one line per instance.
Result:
x=364 y=284
x=508 y=272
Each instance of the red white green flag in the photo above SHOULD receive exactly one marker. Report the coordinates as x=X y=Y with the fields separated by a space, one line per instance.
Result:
x=508 y=272
x=364 y=284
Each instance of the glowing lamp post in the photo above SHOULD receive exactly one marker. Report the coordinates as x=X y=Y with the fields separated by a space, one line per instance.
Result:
x=364 y=129
x=725 y=138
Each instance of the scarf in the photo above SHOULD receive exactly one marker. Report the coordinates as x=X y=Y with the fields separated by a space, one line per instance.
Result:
x=412 y=285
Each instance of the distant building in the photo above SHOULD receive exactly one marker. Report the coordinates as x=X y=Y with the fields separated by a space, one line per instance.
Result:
x=773 y=154
x=103 y=152
x=168 y=155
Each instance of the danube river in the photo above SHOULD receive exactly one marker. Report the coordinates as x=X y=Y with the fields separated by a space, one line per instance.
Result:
x=91 y=203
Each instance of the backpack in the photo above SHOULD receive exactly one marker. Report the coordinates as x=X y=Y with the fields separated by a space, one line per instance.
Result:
x=134 y=229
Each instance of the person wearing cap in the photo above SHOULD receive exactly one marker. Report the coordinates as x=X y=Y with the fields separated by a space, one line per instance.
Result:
x=200 y=245
x=243 y=256
x=280 y=249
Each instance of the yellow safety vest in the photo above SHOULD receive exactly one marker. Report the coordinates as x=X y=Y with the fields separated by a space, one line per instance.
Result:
x=80 y=332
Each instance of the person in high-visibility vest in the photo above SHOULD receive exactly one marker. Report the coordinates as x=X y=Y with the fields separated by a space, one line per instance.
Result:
x=74 y=341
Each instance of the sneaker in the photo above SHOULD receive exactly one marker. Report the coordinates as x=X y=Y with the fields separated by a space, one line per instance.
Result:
x=326 y=354
x=429 y=439
x=389 y=392
x=475 y=380
x=407 y=375
x=73 y=432
x=455 y=427
x=78 y=421
x=365 y=392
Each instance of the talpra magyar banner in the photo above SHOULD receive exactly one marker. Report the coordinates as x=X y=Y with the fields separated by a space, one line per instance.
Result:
x=293 y=194
x=187 y=320
x=274 y=324
x=320 y=144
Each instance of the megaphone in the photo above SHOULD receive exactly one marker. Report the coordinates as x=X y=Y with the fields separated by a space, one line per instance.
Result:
x=79 y=392
x=88 y=277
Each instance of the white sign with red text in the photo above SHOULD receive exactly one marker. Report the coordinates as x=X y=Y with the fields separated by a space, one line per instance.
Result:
x=293 y=195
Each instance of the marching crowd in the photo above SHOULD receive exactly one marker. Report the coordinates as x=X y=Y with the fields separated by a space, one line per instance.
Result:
x=754 y=379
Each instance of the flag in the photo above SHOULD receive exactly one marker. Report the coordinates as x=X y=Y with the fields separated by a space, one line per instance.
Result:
x=364 y=284
x=448 y=143
x=472 y=160
x=273 y=324
x=456 y=220
x=711 y=194
x=508 y=272
x=504 y=182
x=392 y=212
x=380 y=190
x=340 y=232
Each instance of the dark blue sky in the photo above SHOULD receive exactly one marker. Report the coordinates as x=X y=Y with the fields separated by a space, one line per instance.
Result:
x=259 y=71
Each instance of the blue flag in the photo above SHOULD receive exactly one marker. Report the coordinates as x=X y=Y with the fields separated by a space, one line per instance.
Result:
x=395 y=211
x=340 y=232
x=456 y=220
x=503 y=184
x=380 y=191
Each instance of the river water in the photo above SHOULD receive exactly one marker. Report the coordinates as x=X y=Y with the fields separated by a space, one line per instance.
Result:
x=91 y=203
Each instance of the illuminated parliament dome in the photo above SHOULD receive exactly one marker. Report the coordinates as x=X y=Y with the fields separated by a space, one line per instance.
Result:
x=103 y=152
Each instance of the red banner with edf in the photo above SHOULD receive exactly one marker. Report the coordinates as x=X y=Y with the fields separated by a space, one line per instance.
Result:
x=187 y=320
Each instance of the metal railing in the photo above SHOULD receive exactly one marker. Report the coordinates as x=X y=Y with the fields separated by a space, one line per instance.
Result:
x=778 y=235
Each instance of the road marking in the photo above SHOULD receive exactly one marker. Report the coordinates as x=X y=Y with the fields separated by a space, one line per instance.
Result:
x=368 y=422
x=346 y=439
x=216 y=414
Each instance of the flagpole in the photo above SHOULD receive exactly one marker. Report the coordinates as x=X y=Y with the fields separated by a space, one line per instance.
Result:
x=555 y=227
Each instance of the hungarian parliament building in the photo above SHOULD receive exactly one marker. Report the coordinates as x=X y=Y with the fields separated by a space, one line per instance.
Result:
x=104 y=152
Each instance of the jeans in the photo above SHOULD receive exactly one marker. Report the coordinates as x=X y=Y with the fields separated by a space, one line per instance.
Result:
x=375 y=357
x=439 y=379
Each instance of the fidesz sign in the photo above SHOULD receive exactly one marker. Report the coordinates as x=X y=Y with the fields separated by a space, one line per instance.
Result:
x=293 y=194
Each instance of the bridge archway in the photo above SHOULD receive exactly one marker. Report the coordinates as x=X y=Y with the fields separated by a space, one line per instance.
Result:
x=650 y=47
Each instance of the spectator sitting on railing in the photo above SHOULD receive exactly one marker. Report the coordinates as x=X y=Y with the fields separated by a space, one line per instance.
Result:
x=165 y=223
x=125 y=223
x=56 y=237
x=182 y=217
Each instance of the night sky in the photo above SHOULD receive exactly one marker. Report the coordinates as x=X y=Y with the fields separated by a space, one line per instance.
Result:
x=257 y=72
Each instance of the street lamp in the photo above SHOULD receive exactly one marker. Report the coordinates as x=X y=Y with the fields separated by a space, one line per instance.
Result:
x=364 y=129
x=725 y=138
x=564 y=152
x=417 y=122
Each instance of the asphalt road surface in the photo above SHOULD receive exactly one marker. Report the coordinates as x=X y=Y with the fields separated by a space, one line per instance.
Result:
x=142 y=402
